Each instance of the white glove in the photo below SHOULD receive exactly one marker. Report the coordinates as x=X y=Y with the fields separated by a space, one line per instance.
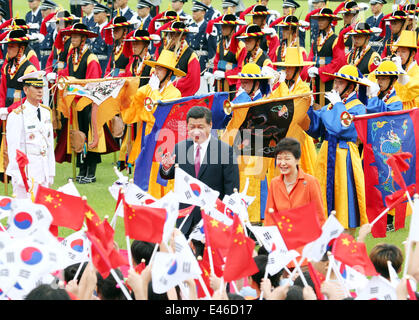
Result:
x=155 y=37
x=398 y=61
x=51 y=77
x=333 y=96
x=403 y=78
x=154 y=82
x=313 y=72
x=193 y=29
x=267 y=71
x=38 y=36
x=33 y=25
x=373 y=89
x=275 y=13
x=219 y=75
x=282 y=76
x=269 y=31
x=208 y=75
x=3 y=113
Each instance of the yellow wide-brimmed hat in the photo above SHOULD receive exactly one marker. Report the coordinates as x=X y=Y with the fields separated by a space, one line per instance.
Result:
x=167 y=59
x=387 y=68
x=407 y=39
x=349 y=73
x=250 y=71
x=294 y=58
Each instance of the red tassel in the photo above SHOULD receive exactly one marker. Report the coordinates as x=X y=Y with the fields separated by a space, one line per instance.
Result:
x=274 y=23
x=43 y=29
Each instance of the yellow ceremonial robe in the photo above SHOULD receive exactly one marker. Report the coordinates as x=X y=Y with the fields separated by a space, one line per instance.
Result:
x=300 y=122
x=409 y=93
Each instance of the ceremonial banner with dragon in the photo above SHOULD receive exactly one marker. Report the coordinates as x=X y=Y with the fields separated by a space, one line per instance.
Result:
x=384 y=135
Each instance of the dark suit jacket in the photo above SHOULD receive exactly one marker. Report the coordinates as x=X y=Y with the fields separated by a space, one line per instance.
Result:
x=219 y=171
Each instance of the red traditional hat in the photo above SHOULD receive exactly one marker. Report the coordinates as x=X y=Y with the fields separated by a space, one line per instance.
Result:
x=79 y=28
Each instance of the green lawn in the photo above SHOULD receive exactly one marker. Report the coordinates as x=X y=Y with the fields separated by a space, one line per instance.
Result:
x=97 y=193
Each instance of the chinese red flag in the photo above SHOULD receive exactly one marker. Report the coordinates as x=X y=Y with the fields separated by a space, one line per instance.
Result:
x=206 y=272
x=144 y=223
x=318 y=279
x=354 y=254
x=101 y=230
x=217 y=234
x=298 y=226
x=66 y=210
x=217 y=260
x=185 y=212
x=102 y=260
x=239 y=262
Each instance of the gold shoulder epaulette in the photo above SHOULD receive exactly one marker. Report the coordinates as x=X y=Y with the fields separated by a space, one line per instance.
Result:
x=44 y=106
x=19 y=109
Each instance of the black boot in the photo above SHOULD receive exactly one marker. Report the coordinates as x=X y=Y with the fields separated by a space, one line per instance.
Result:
x=91 y=173
x=82 y=172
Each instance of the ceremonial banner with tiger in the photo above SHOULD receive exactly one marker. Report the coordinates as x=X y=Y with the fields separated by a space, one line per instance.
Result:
x=109 y=94
x=384 y=135
x=257 y=132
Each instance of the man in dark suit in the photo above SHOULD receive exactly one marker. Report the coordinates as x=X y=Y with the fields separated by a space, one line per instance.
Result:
x=205 y=157
x=377 y=42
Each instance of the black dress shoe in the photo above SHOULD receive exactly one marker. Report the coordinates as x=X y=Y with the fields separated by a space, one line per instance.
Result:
x=85 y=180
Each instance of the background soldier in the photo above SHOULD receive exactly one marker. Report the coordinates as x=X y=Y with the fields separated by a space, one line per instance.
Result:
x=29 y=130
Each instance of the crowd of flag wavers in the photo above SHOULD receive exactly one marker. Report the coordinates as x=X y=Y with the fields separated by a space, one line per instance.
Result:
x=285 y=224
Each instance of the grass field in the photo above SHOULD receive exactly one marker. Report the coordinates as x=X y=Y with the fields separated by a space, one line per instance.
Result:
x=97 y=193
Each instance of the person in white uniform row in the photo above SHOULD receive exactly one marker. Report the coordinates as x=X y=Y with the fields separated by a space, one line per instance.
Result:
x=29 y=129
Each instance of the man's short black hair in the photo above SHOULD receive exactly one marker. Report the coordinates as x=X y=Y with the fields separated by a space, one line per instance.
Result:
x=46 y=292
x=108 y=289
x=289 y=144
x=261 y=262
x=142 y=250
x=295 y=293
x=71 y=271
x=198 y=112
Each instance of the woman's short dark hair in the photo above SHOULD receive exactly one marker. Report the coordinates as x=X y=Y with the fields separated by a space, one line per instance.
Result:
x=289 y=144
x=261 y=261
x=383 y=252
x=142 y=250
x=71 y=271
x=108 y=289
x=199 y=112
x=46 y=292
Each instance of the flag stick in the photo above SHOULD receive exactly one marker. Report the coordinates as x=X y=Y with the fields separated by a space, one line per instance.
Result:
x=204 y=287
x=121 y=285
x=78 y=270
x=297 y=265
x=233 y=283
x=379 y=216
x=264 y=278
x=242 y=222
x=406 y=261
x=287 y=270
x=183 y=222
x=129 y=253
x=154 y=252
x=221 y=286
x=210 y=259
x=338 y=275
x=295 y=269
x=329 y=268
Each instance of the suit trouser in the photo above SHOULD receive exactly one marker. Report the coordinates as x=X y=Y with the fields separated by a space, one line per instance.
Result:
x=91 y=159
